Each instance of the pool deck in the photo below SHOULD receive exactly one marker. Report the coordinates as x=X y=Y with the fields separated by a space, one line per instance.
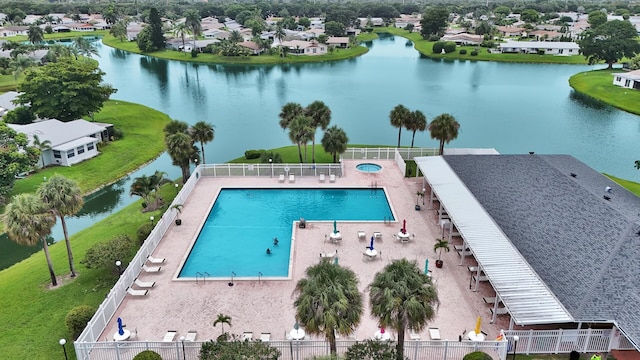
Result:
x=267 y=306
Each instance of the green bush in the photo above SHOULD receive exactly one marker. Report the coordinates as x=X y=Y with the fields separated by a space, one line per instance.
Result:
x=252 y=154
x=477 y=355
x=275 y=157
x=105 y=254
x=463 y=51
x=449 y=47
x=540 y=52
x=474 y=53
x=194 y=53
x=143 y=232
x=238 y=349
x=438 y=46
x=148 y=355
x=488 y=44
x=371 y=349
x=77 y=319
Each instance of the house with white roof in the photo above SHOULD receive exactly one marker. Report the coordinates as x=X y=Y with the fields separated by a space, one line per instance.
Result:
x=299 y=47
x=629 y=80
x=71 y=142
x=535 y=47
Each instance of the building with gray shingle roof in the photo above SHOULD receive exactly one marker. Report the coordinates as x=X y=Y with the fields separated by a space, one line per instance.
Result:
x=575 y=228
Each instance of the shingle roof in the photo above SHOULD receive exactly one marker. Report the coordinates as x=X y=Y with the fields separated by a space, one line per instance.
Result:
x=584 y=247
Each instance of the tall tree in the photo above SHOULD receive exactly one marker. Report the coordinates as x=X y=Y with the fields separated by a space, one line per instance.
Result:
x=35 y=34
x=610 y=42
x=62 y=197
x=180 y=30
x=434 y=21
x=193 y=20
x=16 y=157
x=288 y=113
x=320 y=115
x=398 y=117
x=401 y=296
x=42 y=146
x=181 y=147
x=444 y=127
x=65 y=90
x=236 y=37
x=85 y=47
x=300 y=132
x=335 y=142
x=20 y=64
x=156 y=33
x=328 y=301
x=596 y=18
x=416 y=122
x=202 y=132
x=27 y=221
x=119 y=30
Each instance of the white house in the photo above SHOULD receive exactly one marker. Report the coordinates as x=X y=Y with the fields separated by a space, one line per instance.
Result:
x=299 y=47
x=6 y=102
x=463 y=38
x=71 y=142
x=629 y=80
x=533 y=47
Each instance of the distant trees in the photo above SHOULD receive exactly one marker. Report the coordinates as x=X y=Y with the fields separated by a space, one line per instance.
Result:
x=610 y=42
x=334 y=28
x=596 y=18
x=151 y=38
x=530 y=16
x=434 y=22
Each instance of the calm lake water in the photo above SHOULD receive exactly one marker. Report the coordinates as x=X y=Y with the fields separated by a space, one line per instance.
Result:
x=514 y=108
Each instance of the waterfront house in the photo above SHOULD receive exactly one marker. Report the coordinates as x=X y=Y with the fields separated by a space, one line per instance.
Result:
x=299 y=47
x=536 y=47
x=629 y=80
x=463 y=38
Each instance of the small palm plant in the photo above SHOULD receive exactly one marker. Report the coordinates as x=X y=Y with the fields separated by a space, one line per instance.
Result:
x=178 y=209
x=222 y=319
x=419 y=194
x=441 y=244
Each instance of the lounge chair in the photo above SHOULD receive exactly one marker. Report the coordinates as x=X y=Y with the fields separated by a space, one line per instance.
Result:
x=490 y=300
x=434 y=334
x=329 y=254
x=151 y=269
x=265 y=337
x=169 y=336
x=292 y=178
x=377 y=235
x=322 y=178
x=414 y=335
x=281 y=178
x=144 y=284
x=134 y=292
x=153 y=260
x=499 y=311
x=332 y=178
x=247 y=336
x=481 y=278
x=191 y=335
x=362 y=235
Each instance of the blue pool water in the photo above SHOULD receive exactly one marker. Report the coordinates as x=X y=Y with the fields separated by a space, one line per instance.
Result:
x=243 y=222
x=367 y=167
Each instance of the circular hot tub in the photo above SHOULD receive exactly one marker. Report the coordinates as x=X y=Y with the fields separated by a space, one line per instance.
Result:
x=369 y=167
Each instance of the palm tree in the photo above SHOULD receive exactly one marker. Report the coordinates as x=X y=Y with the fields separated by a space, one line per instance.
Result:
x=401 y=296
x=280 y=34
x=27 y=221
x=183 y=152
x=85 y=47
x=64 y=198
x=35 y=34
x=300 y=132
x=441 y=244
x=289 y=112
x=328 y=301
x=57 y=51
x=222 y=319
x=398 y=117
x=416 y=122
x=174 y=127
x=42 y=146
x=142 y=186
x=444 y=127
x=236 y=37
x=180 y=30
x=203 y=132
x=20 y=64
x=335 y=141
x=193 y=20
x=320 y=115
x=158 y=179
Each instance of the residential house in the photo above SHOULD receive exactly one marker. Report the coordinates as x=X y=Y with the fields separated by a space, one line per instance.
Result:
x=199 y=44
x=9 y=31
x=544 y=35
x=299 y=47
x=509 y=31
x=81 y=26
x=216 y=34
x=352 y=31
x=31 y=19
x=535 y=47
x=316 y=23
x=71 y=142
x=133 y=29
x=463 y=38
x=629 y=80
x=6 y=102
x=364 y=22
x=253 y=46
x=339 y=41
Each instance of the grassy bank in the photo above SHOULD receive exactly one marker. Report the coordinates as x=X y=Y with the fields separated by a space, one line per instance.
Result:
x=338 y=54
x=598 y=84
x=33 y=315
x=63 y=35
x=142 y=142
x=426 y=48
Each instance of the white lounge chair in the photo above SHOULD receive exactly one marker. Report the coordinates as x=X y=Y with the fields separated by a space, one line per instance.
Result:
x=247 y=336
x=292 y=178
x=265 y=337
x=153 y=260
x=322 y=178
x=329 y=254
x=434 y=333
x=362 y=235
x=169 y=336
x=332 y=178
x=377 y=235
x=144 y=284
x=281 y=178
x=414 y=335
x=151 y=269
x=134 y=292
x=191 y=335
x=499 y=311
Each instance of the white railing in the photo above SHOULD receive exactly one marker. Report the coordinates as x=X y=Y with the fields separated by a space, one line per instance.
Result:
x=387 y=153
x=293 y=350
x=271 y=170
x=561 y=340
x=90 y=336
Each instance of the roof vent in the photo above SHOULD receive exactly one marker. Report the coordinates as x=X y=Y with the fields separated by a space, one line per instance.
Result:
x=606 y=197
x=608 y=189
x=573 y=175
x=531 y=152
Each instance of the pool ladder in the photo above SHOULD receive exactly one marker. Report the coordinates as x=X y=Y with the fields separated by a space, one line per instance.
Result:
x=203 y=276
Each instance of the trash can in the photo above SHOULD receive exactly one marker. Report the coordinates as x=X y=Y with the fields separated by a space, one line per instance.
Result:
x=574 y=355
x=302 y=224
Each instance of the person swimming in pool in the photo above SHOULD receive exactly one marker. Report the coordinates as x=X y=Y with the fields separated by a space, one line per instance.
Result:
x=275 y=241
x=268 y=251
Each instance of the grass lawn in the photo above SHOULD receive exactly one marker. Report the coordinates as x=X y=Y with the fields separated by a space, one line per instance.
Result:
x=338 y=54
x=32 y=315
x=598 y=84
x=63 y=35
x=426 y=48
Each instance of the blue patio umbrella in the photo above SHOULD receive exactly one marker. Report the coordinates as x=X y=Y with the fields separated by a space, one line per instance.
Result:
x=335 y=260
x=120 y=327
x=426 y=266
x=371 y=246
x=335 y=227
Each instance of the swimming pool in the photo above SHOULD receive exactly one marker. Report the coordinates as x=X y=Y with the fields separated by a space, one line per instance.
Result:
x=243 y=222
x=369 y=167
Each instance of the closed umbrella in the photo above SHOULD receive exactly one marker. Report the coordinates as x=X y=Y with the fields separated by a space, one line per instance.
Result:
x=371 y=246
x=404 y=226
x=120 y=327
x=335 y=227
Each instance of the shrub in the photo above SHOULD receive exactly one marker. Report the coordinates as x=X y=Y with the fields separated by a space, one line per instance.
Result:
x=194 y=53
x=438 y=46
x=477 y=355
x=275 y=157
x=143 y=231
x=252 y=154
x=540 y=52
x=474 y=53
x=449 y=47
x=371 y=349
x=463 y=51
x=238 y=349
x=77 y=319
x=21 y=115
x=488 y=44
x=104 y=255
x=117 y=134
x=148 y=355
x=433 y=38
